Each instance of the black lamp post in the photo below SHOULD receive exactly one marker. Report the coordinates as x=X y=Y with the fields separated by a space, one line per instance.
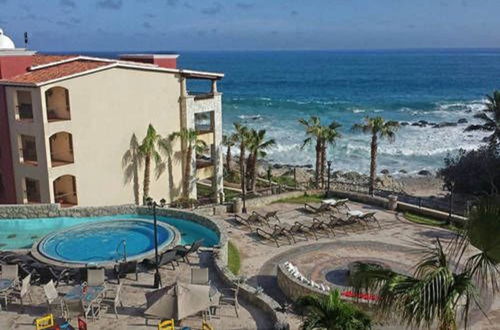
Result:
x=244 y=188
x=329 y=163
x=153 y=205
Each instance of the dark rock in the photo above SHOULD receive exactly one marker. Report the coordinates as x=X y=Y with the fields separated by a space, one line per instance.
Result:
x=462 y=121
x=403 y=171
x=404 y=123
x=277 y=166
x=423 y=122
x=424 y=173
x=417 y=124
x=444 y=124
x=385 y=171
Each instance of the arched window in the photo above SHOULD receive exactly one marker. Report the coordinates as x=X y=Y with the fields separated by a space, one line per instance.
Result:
x=61 y=149
x=65 y=190
x=57 y=104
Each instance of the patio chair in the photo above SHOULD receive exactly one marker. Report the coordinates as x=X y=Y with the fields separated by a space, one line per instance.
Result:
x=275 y=235
x=122 y=269
x=96 y=277
x=10 y=272
x=200 y=276
x=54 y=301
x=24 y=291
x=183 y=252
x=317 y=210
x=230 y=297
x=268 y=216
x=114 y=299
x=46 y=273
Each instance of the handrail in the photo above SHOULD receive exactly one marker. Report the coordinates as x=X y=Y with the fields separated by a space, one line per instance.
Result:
x=124 y=242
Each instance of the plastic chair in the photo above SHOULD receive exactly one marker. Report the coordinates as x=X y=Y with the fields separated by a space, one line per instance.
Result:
x=166 y=325
x=44 y=322
x=200 y=276
x=206 y=326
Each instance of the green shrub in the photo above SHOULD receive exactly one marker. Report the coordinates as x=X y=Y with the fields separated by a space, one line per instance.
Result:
x=233 y=258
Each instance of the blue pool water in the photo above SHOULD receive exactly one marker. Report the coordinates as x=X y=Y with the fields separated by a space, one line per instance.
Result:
x=21 y=233
x=102 y=241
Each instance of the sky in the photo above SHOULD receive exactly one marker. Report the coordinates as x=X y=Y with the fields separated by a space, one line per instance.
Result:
x=175 y=25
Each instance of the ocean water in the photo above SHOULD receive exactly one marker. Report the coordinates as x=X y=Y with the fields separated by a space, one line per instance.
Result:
x=272 y=90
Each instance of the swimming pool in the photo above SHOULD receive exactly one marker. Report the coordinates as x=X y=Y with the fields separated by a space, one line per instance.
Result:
x=22 y=233
x=106 y=241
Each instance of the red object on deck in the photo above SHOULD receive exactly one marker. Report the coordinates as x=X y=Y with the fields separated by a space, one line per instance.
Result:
x=168 y=61
x=82 y=325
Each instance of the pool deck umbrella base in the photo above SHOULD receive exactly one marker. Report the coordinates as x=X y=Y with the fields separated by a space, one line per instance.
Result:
x=178 y=301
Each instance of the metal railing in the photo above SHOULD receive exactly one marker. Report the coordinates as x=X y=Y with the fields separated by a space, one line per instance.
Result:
x=124 y=243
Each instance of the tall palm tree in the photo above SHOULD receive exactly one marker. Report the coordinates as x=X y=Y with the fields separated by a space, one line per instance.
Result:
x=149 y=151
x=241 y=137
x=313 y=132
x=229 y=141
x=329 y=135
x=331 y=313
x=378 y=128
x=191 y=143
x=257 y=146
x=491 y=119
x=445 y=283
x=131 y=163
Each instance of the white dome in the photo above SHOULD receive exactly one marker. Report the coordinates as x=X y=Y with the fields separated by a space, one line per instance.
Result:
x=6 y=42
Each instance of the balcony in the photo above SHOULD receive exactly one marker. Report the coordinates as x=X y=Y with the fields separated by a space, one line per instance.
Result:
x=57 y=104
x=65 y=191
x=32 y=191
x=27 y=150
x=61 y=149
x=24 y=106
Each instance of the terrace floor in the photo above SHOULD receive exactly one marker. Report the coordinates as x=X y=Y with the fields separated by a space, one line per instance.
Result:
x=131 y=315
x=398 y=243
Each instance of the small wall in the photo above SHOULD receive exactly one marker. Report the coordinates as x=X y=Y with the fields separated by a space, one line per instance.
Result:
x=265 y=200
x=292 y=287
x=405 y=207
x=362 y=198
x=30 y=211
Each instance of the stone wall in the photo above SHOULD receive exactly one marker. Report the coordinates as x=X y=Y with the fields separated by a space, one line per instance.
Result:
x=29 y=211
x=292 y=287
x=405 y=207
x=265 y=200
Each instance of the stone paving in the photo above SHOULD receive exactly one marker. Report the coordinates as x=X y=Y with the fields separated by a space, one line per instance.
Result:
x=130 y=316
x=398 y=243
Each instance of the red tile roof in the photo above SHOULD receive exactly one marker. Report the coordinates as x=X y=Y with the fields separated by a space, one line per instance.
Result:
x=56 y=71
x=40 y=59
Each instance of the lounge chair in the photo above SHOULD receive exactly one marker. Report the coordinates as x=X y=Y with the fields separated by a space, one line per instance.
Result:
x=300 y=228
x=252 y=220
x=336 y=222
x=183 y=252
x=321 y=226
x=317 y=210
x=46 y=273
x=122 y=269
x=339 y=204
x=268 y=216
x=200 y=276
x=275 y=235
x=364 y=217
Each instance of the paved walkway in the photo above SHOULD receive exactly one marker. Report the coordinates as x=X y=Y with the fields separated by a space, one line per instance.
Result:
x=398 y=243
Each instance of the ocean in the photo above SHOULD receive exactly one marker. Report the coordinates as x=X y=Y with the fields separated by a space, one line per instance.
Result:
x=273 y=90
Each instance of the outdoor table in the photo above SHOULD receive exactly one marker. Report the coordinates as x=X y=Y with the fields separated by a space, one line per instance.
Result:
x=5 y=285
x=76 y=294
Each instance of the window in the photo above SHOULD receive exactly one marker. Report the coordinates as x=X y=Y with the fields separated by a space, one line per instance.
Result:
x=32 y=190
x=27 y=145
x=203 y=122
x=24 y=106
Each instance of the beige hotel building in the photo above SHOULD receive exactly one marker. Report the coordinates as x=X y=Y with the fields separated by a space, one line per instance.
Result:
x=67 y=121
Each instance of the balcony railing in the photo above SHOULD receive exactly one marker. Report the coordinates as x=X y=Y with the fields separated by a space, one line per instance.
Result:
x=28 y=156
x=56 y=161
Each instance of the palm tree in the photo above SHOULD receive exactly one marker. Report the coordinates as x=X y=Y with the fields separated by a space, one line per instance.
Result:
x=329 y=135
x=313 y=131
x=149 y=151
x=442 y=286
x=491 y=119
x=190 y=141
x=331 y=313
x=257 y=145
x=229 y=141
x=131 y=164
x=241 y=137
x=377 y=127
x=166 y=145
